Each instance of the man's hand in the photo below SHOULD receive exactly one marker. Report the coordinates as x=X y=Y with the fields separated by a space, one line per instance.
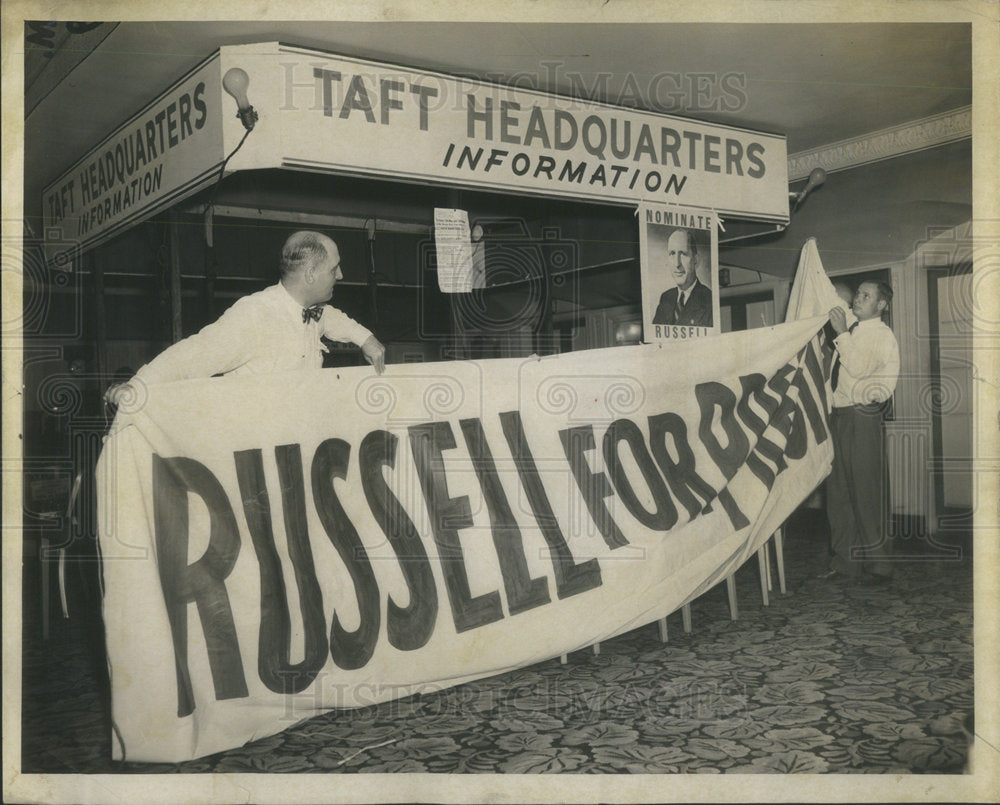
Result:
x=838 y=320
x=129 y=396
x=374 y=353
x=119 y=391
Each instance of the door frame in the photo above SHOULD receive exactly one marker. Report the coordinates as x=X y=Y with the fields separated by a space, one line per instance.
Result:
x=945 y=514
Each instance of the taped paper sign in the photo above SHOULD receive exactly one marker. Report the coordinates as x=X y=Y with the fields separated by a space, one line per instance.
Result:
x=460 y=260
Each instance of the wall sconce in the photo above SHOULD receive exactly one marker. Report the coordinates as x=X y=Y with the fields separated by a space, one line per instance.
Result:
x=817 y=176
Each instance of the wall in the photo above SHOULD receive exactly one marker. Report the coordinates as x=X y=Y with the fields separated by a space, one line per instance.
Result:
x=876 y=213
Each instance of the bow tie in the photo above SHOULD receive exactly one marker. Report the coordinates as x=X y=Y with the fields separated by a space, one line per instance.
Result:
x=315 y=313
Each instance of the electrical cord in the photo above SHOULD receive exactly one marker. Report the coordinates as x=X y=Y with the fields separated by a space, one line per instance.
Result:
x=222 y=168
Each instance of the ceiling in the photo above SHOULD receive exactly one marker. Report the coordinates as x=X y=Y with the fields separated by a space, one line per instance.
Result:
x=815 y=83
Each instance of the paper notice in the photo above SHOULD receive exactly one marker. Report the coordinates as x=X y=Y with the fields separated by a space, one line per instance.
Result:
x=460 y=264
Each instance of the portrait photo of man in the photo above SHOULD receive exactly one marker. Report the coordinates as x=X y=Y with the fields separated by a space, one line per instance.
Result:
x=689 y=302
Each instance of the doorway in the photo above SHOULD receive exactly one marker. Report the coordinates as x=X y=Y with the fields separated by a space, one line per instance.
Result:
x=747 y=311
x=949 y=294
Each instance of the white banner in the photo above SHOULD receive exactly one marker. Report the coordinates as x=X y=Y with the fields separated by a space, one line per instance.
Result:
x=321 y=112
x=276 y=546
x=812 y=292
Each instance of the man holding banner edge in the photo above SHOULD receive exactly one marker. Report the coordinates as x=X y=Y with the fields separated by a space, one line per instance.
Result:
x=864 y=378
x=277 y=329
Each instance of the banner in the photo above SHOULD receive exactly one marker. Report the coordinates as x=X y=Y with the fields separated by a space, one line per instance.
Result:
x=812 y=292
x=277 y=546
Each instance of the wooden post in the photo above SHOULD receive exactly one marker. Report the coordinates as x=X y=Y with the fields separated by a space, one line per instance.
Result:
x=100 y=320
x=208 y=287
x=176 y=322
x=370 y=227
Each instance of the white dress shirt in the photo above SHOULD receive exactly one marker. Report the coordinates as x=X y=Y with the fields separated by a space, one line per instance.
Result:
x=869 y=364
x=260 y=333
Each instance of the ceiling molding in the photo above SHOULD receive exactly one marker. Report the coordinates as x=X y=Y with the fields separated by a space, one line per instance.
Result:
x=884 y=144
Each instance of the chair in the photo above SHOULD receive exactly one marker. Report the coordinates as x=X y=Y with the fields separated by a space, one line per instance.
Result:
x=764 y=560
x=71 y=522
x=685 y=622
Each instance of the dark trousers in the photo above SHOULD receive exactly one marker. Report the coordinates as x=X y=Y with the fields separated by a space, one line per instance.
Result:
x=855 y=492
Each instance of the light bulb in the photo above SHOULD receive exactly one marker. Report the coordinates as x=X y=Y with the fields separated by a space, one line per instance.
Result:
x=817 y=176
x=235 y=82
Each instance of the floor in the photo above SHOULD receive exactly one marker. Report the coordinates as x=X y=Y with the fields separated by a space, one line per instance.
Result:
x=831 y=677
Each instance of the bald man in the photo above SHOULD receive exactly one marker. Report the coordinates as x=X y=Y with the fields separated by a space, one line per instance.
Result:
x=690 y=302
x=274 y=330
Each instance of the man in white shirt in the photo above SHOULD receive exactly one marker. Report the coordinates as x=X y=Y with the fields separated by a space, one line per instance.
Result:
x=864 y=377
x=274 y=330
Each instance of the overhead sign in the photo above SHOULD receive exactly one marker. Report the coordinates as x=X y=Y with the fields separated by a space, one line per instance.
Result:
x=439 y=523
x=320 y=112
x=342 y=114
x=167 y=151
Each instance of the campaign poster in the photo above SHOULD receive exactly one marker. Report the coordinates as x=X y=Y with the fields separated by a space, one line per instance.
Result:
x=679 y=254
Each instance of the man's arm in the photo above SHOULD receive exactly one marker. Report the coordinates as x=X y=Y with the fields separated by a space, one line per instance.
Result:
x=879 y=384
x=858 y=356
x=871 y=357
x=374 y=353
x=217 y=347
x=338 y=326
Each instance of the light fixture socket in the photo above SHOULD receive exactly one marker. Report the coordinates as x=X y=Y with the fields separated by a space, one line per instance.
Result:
x=248 y=117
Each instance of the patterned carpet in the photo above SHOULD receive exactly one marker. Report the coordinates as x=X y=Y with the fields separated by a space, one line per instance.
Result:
x=832 y=677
